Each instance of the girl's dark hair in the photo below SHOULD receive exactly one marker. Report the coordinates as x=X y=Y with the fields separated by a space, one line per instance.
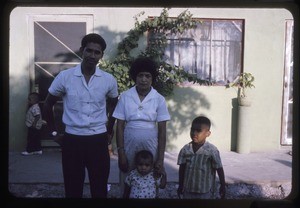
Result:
x=93 y=38
x=143 y=64
x=144 y=154
x=202 y=120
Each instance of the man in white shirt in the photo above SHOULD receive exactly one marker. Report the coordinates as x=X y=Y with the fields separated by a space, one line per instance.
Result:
x=85 y=90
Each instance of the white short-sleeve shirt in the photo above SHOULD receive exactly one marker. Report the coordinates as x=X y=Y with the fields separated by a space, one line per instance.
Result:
x=141 y=114
x=84 y=104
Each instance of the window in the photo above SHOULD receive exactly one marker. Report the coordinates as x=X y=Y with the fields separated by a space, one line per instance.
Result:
x=212 y=51
x=55 y=46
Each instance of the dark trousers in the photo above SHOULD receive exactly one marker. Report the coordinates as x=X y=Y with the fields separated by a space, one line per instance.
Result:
x=85 y=152
x=33 y=140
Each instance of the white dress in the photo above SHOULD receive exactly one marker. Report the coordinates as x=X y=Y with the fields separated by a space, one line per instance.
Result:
x=141 y=121
x=142 y=187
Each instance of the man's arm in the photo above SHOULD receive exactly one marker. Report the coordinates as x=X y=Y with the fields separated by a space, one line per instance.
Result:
x=111 y=105
x=48 y=111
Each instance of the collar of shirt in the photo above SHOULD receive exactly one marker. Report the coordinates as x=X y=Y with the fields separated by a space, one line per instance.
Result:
x=135 y=95
x=78 y=72
x=202 y=149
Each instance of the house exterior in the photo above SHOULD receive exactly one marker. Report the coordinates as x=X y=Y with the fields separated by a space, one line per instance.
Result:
x=266 y=53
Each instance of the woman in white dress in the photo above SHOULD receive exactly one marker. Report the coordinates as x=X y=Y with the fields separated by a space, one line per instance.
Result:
x=142 y=115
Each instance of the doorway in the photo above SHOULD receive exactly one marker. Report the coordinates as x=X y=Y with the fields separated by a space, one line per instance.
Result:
x=287 y=111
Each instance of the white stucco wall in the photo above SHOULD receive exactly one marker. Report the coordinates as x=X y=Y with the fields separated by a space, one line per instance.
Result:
x=263 y=57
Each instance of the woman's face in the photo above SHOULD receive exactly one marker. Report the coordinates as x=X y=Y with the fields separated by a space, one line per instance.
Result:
x=143 y=80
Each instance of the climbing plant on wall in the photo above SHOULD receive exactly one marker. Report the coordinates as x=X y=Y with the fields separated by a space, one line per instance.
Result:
x=157 y=29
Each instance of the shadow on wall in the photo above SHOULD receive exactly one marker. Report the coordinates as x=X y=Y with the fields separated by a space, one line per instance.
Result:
x=183 y=107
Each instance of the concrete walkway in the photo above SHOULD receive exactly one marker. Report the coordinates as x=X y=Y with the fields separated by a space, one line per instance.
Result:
x=263 y=175
x=254 y=168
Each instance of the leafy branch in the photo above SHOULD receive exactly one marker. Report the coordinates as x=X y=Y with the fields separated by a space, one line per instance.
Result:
x=158 y=29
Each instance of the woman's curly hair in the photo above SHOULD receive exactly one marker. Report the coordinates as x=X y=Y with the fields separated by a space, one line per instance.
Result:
x=143 y=64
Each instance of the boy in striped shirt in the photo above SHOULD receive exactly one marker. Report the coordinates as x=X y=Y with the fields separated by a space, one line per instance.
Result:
x=198 y=162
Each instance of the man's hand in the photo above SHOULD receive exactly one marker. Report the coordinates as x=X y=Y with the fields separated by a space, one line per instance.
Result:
x=110 y=137
x=57 y=137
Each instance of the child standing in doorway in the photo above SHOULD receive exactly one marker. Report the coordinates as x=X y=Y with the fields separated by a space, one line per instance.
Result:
x=198 y=161
x=34 y=124
x=143 y=182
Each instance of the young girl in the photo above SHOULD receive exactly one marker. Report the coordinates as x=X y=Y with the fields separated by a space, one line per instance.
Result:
x=142 y=182
x=34 y=123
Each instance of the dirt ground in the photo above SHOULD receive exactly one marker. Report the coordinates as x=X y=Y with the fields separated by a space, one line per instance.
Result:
x=233 y=191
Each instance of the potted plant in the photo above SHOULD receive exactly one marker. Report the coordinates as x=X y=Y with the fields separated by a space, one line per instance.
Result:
x=242 y=82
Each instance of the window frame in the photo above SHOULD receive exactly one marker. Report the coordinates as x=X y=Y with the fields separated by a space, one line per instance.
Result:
x=241 y=53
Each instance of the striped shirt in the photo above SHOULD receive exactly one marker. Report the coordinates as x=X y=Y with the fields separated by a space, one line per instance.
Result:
x=200 y=167
x=32 y=112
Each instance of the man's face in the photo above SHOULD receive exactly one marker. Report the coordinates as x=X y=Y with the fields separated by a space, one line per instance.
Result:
x=91 y=54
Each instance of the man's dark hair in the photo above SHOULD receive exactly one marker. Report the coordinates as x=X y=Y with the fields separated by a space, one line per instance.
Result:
x=93 y=38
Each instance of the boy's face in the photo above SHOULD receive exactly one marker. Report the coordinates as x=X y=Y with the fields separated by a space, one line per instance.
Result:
x=144 y=166
x=199 y=132
x=32 y=100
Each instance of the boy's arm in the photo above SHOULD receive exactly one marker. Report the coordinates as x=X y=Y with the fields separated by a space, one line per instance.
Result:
x=36 y=118
x=126 y=191
x=181 y=178
x=221 y=175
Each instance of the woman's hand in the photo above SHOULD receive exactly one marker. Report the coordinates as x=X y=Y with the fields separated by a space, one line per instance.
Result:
x=179 y=192
x=158 y=167
x=122 y=161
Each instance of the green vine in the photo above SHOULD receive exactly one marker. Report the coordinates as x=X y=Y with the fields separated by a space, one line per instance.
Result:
x=157 y=27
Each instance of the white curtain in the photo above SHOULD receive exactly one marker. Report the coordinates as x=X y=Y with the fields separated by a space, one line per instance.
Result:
x=212 y=50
